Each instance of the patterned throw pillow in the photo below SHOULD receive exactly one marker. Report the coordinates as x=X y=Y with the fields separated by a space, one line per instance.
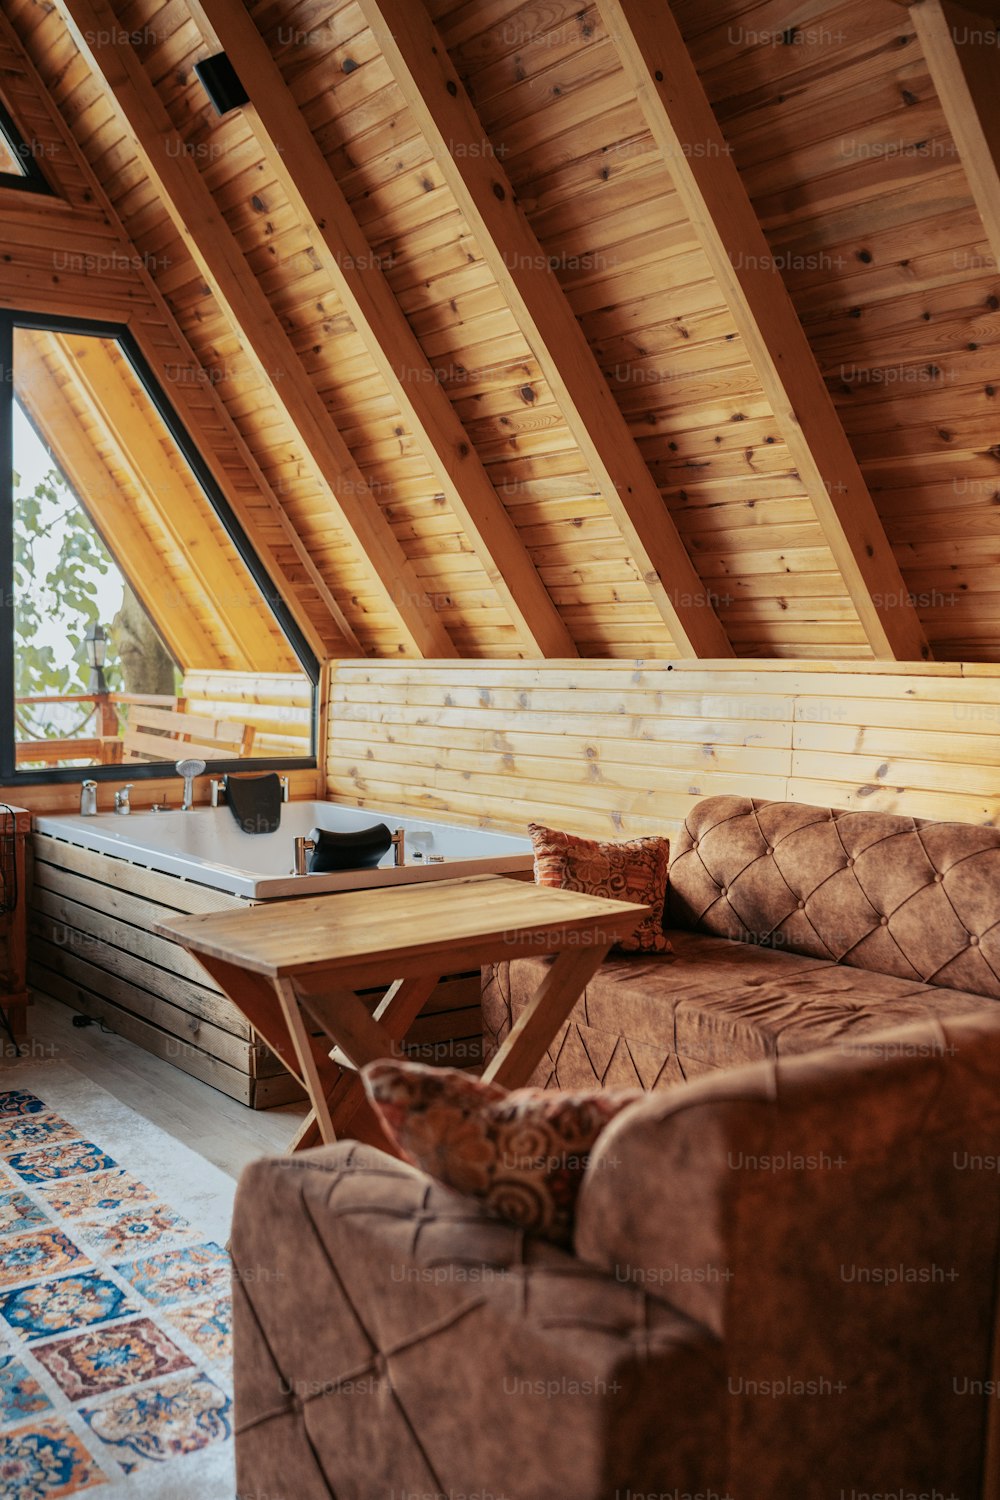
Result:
x=630 y=870
x=521 y=1154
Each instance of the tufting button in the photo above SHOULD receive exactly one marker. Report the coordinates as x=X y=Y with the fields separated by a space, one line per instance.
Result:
x=973 y=940
x=938 y=879
x=801 y=905
x=883 y=921
x=694 y=843
x=850 y=864
x=723 y=890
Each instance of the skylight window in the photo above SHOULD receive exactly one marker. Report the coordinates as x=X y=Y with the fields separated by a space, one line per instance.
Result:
x=10 y=162
x=19 y=159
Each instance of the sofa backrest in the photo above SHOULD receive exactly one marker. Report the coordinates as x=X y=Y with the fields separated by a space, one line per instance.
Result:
x=835 y=1219
x=902 y=896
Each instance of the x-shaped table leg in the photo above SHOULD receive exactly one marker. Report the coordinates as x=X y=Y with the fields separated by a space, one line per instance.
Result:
x=358 y=1036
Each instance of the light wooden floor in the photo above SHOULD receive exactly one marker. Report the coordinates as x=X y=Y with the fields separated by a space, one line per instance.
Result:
x=211 y=1123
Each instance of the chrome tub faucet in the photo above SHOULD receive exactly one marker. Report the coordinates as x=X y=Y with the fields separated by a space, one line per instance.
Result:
x=122 y=803
x=88 y=799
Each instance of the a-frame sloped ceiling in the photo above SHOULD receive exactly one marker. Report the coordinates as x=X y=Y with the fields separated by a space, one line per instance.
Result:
x=727 y=511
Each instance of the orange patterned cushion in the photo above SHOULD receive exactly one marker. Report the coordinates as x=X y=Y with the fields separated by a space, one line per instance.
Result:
x=631 y=870
x=521 y=1154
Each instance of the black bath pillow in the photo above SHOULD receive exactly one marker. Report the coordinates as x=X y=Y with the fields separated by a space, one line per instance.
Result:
x=255 y=801
x=360 y=850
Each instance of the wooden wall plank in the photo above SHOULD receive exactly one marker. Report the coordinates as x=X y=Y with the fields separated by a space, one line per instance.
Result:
x=607 y=751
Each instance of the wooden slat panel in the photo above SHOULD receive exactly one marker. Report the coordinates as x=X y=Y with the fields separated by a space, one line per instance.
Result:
x=232 y=1081
x=601 y=750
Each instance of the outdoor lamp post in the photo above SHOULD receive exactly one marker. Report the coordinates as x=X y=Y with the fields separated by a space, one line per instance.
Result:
x=96 y=646
x=95 y=643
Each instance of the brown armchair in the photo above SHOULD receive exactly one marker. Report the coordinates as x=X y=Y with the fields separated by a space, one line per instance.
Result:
x=784 y=1287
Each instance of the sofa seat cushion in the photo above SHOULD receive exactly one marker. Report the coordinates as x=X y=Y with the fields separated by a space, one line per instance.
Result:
x=712 y=1003
x=390 y=1339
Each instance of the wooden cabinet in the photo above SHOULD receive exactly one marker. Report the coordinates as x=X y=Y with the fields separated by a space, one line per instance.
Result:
x=15 y=825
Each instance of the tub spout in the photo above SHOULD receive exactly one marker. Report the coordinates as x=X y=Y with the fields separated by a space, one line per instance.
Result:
x=399 y=846
x=303 y=847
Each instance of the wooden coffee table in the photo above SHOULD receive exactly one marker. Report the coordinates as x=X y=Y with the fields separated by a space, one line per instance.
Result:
x=285 y=961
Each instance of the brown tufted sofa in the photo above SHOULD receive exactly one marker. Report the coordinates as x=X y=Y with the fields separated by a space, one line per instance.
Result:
x=793 y=927
x=784 y=1287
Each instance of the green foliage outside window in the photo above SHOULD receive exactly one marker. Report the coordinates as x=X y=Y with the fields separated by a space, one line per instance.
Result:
x=60 y=592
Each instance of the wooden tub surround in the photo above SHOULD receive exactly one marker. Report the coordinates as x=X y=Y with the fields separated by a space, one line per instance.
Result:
x=94 y=945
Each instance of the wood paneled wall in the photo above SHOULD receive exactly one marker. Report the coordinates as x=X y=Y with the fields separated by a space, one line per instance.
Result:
x=615 y=750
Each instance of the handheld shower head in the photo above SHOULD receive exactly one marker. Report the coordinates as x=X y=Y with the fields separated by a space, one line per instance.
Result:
x=189 y=769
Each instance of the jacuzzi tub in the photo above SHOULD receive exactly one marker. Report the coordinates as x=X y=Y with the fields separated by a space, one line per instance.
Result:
x=207 y=846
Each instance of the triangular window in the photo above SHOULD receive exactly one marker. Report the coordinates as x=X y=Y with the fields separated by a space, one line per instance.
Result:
x=20 y=159
x=137 y=625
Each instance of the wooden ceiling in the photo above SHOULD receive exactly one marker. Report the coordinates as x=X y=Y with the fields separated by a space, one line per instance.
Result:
x=553 y=329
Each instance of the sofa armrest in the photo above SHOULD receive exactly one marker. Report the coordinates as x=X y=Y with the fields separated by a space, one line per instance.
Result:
x=389 y=1336
x=835 y=1219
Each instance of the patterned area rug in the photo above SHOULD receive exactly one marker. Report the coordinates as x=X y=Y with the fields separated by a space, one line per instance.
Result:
x=115 y=1365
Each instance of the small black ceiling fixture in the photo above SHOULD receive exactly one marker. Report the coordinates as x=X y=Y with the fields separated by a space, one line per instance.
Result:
x=222 y=83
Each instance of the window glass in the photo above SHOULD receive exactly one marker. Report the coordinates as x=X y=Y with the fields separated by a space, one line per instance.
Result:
x=140 y=634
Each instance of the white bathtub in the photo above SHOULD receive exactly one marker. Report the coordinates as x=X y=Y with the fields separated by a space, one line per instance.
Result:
x=207 y=846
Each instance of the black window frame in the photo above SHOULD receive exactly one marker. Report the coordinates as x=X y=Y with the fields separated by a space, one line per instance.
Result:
x=11 y=319
x=32 y=179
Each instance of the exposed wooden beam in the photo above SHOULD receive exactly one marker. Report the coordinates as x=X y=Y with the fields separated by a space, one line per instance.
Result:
x=186 y=197
x=341 y=247
x=47 y=300
x=982 y=10
x=964 y=65
x=107 y=504
x=431 y=87
x=708 y=184
x=111 y=398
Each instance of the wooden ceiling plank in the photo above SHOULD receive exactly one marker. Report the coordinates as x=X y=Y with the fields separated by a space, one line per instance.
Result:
x=275 y=512
x=290 y=150
x=159 y=362
x=431 y=87
x=963 y=70
x=707 y=182
x=111 y=402
x=204 y=230
x=45 y=401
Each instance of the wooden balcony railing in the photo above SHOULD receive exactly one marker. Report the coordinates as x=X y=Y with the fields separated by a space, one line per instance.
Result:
x=105 y=721
x=273 y=712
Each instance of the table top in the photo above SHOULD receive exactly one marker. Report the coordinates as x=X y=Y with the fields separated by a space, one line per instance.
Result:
x=486 y=915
